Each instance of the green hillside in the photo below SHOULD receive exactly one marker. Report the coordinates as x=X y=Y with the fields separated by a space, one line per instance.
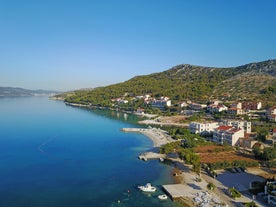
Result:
x=254 y=81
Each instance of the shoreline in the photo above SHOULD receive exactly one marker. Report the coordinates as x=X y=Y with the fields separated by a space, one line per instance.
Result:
x=189 y=184
x=157 y=136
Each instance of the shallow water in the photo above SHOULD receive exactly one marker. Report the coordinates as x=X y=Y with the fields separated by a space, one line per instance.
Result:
x=57 y=155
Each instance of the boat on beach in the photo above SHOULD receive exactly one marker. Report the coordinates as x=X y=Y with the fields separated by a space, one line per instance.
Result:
x=147 y=188
x=163 y=197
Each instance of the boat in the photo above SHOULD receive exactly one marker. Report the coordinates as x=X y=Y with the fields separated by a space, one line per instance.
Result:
x=161 y=159
x=163 y=197
x=147 y=188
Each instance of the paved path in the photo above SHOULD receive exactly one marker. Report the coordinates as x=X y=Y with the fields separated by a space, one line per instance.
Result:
x=221 y=189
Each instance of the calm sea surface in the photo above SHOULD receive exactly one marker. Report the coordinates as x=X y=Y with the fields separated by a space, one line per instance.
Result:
x=53 y=155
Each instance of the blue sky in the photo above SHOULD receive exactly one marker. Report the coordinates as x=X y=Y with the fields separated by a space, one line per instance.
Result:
x=72 y=44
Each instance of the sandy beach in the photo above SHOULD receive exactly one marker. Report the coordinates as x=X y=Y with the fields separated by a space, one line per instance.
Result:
x=159 y=137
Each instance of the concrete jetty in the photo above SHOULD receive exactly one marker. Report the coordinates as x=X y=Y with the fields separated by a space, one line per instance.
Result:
x=151 y=155
x=175 y=191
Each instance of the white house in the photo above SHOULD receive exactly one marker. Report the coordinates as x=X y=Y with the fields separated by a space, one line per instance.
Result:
x=271 y=114
x=237 y=105
x=213 y=108
x=245 y=125
x=161 y=103
x=183 y=104
x=199 y=128
x=196 y=106
x=227 y=134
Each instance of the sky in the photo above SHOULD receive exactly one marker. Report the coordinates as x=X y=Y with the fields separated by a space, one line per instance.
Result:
x=71 y=44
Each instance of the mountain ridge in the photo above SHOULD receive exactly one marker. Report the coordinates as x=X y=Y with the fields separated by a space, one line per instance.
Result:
x=17 y=92
x=192 y=82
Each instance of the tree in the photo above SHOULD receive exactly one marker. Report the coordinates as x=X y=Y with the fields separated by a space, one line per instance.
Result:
x=211 y=186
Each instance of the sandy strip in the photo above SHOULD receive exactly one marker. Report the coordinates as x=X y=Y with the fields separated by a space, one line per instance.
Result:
x=154 y=122
x=158 y=136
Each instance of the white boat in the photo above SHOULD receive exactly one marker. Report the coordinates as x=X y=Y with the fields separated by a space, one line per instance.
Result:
x=161 y=159
x=163 y=197
x=147 y=188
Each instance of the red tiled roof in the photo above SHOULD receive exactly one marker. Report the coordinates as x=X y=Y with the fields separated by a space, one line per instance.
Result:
x=224 y=128
x=234 y=130
x=246 y=135
x=257 y=144
x=274 y=130
x=234 y=109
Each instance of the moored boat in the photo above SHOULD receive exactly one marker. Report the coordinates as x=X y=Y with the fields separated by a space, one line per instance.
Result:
x=163 y=197
x=147 y=188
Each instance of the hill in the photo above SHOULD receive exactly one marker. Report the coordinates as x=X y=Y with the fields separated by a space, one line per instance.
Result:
x=254 y=81
x=15 y=92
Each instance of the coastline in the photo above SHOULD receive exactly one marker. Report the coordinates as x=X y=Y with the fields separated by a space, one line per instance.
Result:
x=189 y=184
x=159 y=137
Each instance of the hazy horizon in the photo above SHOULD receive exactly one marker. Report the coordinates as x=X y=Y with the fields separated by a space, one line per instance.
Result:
x=67 y=45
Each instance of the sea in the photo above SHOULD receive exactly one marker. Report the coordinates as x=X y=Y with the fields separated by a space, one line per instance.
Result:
x=54 y=155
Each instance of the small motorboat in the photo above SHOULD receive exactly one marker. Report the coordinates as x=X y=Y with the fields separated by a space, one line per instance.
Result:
x=163 y=197
x=147 y=188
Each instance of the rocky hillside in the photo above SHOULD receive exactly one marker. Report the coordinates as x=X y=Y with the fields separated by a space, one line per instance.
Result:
x=254 y=81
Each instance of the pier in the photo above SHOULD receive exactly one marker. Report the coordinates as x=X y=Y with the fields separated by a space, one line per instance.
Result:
x=151 y=155
x=175 y=191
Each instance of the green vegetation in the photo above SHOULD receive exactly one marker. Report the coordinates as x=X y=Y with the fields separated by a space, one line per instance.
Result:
x=236 y=163
x=267 y=154
x=211 y=186
x=184 y=147
x=271 y=164
x=187 y=82
x=234 y=193
x=251 y=204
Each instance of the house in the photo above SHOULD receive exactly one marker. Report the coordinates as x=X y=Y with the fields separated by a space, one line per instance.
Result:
x=274 y=133
x=247 y=143
x=183 y=104
x=245 y=125
x=236 y=105
x=161 y=103
x=259 y=145
x=201 y=128
x=213 y=108
x=197 y=106
x=140 y=110
x=228 y=134
x=235 y=111
x=251 y=105
x=271 y=195
x=122 y=101
x=119 y=101
x=271 y=114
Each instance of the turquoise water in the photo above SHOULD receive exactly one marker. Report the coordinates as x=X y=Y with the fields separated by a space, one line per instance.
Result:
x=53 y=155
